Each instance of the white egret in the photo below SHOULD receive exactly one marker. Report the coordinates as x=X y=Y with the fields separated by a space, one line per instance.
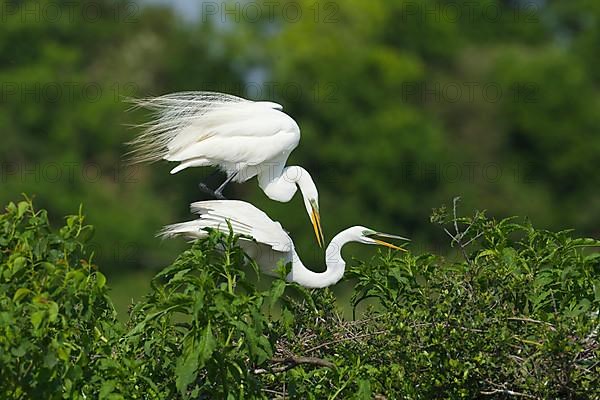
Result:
x=243 y=138
x=270 y=243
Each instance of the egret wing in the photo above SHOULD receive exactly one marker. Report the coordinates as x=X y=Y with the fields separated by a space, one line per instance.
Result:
x=245 y=219
x=188 y=118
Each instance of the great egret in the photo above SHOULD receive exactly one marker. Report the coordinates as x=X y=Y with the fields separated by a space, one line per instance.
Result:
x=271 y=243
x=241 y=137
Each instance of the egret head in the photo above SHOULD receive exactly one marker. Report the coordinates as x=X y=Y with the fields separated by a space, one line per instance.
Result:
x=369 y=236
x=310 y=195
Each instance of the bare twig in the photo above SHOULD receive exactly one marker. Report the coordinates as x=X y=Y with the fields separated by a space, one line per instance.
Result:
x=454 y=203
x=293 y=361
x=474 y=238
x=275 y=392
x=535 y=321
x=458 y=236
x=507 y=392
x=501 y=389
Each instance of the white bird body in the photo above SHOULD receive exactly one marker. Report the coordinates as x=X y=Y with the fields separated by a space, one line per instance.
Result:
x=243 y=138
x=267 y=243
x=209 y=129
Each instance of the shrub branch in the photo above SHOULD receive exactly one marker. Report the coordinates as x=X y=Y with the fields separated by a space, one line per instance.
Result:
x=291 y=362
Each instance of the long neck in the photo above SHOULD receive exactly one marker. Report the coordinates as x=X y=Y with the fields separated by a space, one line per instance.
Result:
x=279 y=184
x=333 y=259
x=298 y=176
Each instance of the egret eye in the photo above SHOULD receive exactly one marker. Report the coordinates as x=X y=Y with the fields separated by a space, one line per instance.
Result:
x=368 y=233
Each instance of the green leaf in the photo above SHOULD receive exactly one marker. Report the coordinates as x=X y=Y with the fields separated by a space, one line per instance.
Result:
x=207 y=345
x=262 y=350
x=420 y=280
x=75 y=276
x=543 y=279
x=186 y=370
x=86 y=233
x=49 y=267
x=486 y=253
x=22 y=208
x=364 y=390
x=37 y=318
x=50 y=359
x=179 y=276
x=52 y=311
x=106 y=389
x=596 y=285
x=100 y=280
x=582 y=307
x=20 y=293
x=195 y=355
x=276 y=291
x=62 y=353
x=11 y=208
x=19 y=351
x=585 y=242
x=18 y=263
x=71 y=220
x=509 y=255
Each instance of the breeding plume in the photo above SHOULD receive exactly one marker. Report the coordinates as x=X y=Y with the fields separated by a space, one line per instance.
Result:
x=267 y=243
x=243 y=138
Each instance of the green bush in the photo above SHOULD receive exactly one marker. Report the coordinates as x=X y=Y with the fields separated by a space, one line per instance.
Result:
x=56 y=319
x=515 y=315
x=201 y=329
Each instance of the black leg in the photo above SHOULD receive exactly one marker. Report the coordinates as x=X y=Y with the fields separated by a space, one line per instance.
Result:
x=219 y=191
x=213 y=193
x=210 y=192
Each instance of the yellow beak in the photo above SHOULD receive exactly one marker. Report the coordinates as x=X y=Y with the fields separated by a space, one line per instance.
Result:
x=386 y=244
x=315 y=218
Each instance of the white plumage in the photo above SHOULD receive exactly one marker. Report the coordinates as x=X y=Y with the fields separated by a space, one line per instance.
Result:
x=270 y=244
x=241 y=137
x=211 y=129
x=245 y=219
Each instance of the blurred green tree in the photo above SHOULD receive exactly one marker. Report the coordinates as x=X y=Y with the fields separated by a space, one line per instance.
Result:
x=66 y=71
